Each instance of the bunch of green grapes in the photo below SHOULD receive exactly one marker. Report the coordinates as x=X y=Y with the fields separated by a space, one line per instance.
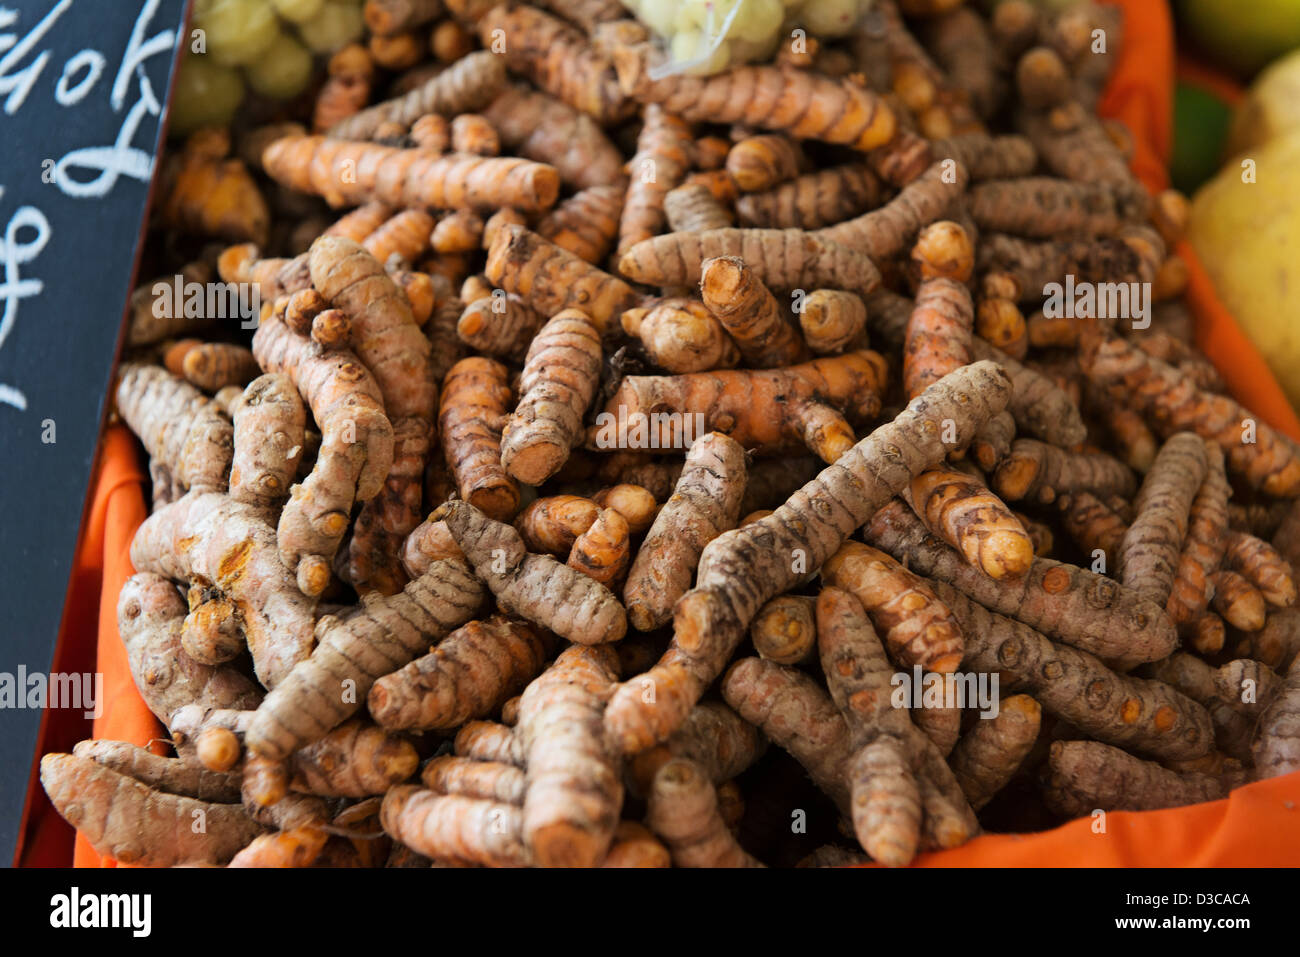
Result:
x=268 y=46
x=706 y=36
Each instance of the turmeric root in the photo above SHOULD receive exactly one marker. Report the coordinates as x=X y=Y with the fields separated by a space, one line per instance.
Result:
x=713 y=738
x=885 y=232
x=455 y=827
x=1204 y=544
x=471 y=672
x=1041 y=472
x=345 y=172
x=803 y=104
x=297 y=847
x=499 y=325
x=1277 y=748
x=957 y=508
x=691 y=208
x=466 y=86
x=211 y=539
x=896 y=774
x=551 y=279
x=536 y=587
x=212 y=633
x=1144 y=716
x=356 y=451
x=832 y=320
x=1238 y=601
x=586 y=223
x=574 y=788
x=784 y=630
x=1095 y=526
x=170 y=775
x=404 y=235
x=1042 y=207
x=384 y=635
x=742 y=570
x=557 y=58
x=938 y=334
x=662 y=158
x=761 y=162
x=813 y=200
x=795 y=714
x=486 y=780
x=487 y=741
x=1070 y=604
x=635 y=846
x=270 y=429
x=153 y=314
x=705 y=503
x=182 y=430
x=559 y=380
x=212 y=365
x=475 y=400
x=988 y=755
x=1260 y=564
x=544 y=129
x=1087 y=775
x=634 y=503
x=209 y=194
x=1173 y=404
x=917 y=628
x=350 y=73
x=750 y=313
x=1038 y=405
x=1149 y=554
x=554 y=523
x=988 y=157
x=782 y=258
x=603 y=551
x=769 y=409
x=355 y=759
x=132 y=823
x=683 y=810
x=682 y=335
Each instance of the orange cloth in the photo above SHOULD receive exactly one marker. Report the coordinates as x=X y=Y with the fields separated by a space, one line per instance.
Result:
x=1255 y=826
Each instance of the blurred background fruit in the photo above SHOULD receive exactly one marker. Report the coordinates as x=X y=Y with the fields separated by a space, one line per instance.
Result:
x=1242 y=35
x=1271 y=107
x=1247 y=236
x=1201 y=120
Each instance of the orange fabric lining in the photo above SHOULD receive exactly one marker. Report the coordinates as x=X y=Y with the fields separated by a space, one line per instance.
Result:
x=1255 y=826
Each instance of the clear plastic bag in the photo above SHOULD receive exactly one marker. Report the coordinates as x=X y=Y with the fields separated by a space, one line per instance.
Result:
x=707 y=36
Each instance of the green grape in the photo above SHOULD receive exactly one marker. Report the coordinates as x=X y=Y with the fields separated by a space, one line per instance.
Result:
x=832 y=18
x=759 y=21
x=689 y=16
x=206 y=94
x=338 y=24
x=283 y=72
x=297 y=11
x=687 y=47
x=237 y=31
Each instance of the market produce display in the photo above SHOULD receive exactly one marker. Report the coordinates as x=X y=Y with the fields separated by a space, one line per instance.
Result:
x=613 y=413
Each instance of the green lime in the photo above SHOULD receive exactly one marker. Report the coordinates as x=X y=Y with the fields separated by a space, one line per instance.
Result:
x=1201 y=123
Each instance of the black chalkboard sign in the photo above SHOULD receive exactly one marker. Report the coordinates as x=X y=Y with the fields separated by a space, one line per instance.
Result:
x=83 y=85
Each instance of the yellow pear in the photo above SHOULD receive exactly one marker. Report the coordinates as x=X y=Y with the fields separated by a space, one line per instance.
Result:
x=1245 y=226
x=1270 y=108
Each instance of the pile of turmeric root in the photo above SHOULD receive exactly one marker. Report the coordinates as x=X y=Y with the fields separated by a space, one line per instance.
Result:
x=601 y=428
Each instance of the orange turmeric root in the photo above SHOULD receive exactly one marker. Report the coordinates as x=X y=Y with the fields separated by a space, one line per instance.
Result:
x=475 y=399
x=959 y=509
x=1262 y=566
x=542 y=128
x=559 y=381
x=350 y=73
x=682 y=335
x=347 y=172
x=662 y=158
x=1041 y=472
x=574 y=785
x=813 y=200
x=554 y=523
x=586 y=223
x=468 y=675
x=603 y=551
x=815 y=403
x=750 y=313
x=761 y=162
x=210 y=195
